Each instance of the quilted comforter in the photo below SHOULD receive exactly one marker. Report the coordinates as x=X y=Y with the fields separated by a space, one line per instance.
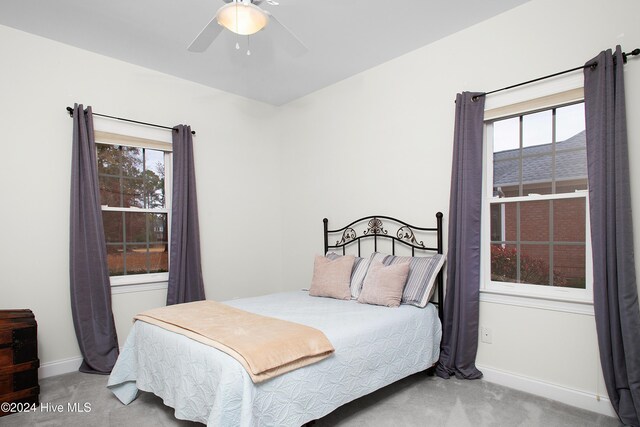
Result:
x=374 y=346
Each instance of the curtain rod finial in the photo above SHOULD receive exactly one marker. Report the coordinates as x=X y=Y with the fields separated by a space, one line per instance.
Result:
x=70 y=110
x=634 y=52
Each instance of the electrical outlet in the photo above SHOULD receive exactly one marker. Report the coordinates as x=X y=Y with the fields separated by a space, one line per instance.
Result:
x=486 y=336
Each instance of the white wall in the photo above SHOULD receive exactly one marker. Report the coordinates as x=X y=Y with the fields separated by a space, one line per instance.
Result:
x=236 y=171
x=381 y=143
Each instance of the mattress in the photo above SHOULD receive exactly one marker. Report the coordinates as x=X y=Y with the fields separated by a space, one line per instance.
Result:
x=375 y=346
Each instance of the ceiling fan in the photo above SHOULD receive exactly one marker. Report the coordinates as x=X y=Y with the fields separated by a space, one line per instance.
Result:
x=244 y=17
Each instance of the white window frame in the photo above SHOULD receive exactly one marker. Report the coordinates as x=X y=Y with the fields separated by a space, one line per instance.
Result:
x=535 y=296
x=140 y=137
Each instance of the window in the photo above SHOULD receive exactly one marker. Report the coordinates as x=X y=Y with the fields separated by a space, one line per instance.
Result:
x=536 y=239
x=135 y=197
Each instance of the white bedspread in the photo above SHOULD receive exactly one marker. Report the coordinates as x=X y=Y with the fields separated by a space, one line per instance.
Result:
x=375 y=346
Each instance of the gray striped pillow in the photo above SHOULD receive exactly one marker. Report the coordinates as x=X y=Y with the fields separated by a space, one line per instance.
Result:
x=360 y=267
x=422 y=276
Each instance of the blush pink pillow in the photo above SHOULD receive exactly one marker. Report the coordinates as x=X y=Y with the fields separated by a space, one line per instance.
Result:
x=332 y=278
x=384 y=285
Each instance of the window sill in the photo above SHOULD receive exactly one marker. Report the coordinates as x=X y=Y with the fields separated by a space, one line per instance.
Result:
x=143 y=287
x=576 y=305
x=139 y=283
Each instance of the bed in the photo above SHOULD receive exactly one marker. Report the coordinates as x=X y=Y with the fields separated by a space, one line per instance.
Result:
x=374 y=347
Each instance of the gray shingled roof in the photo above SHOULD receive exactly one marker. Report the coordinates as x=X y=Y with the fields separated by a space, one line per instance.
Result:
x=571 y=163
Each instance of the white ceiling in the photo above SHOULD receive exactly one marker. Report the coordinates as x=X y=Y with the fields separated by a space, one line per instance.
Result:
x=344 y=37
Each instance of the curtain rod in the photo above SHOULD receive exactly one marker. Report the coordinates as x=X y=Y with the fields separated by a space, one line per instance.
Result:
x=624 y=57
x=70 y=110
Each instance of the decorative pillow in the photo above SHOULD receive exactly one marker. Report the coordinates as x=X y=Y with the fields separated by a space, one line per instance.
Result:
x=384 y=284
x=422 y=276
x=332 y=278
x=360 y=267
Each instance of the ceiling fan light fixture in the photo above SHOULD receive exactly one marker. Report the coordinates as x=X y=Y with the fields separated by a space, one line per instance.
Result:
x=242 y=18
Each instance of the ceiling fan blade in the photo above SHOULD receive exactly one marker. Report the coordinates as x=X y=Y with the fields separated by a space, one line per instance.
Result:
x=258 y=2
x=289 y=41
x=206 y=36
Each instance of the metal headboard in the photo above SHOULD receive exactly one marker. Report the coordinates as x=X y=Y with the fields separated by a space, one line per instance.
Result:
x=404 y=235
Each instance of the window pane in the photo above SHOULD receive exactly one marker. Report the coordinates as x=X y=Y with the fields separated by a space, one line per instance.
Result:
x=158 y=258
x=511 y=222
x=504 y=265
x=109 y=191
x=120 y=161
x=497 y=221
x=569 y=121
x=137 y=259
x=506 y=174
x=534 y=264
x=115 y=259
x=536 y=173
x=154 y=178
x=109 y=159
x=158 y=231
x=132 y=162
x=143 y=260
x=571 y=186
x=149 y=251
x=569 y=266
x=534 y=221
x=506 y=156
x=569 y=220
x=571 y=154
x=132 y=193
x=506 y=135
x=112 y=223
x=537 y=129
x=136 y=227
x=571 y=165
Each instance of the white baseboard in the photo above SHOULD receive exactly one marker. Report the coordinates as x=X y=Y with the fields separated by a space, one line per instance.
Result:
x=59 y=367
x=62 y=366
x=581 y=399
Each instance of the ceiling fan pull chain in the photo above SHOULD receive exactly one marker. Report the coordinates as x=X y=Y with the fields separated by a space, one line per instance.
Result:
x=237 y=38
x=248 y=47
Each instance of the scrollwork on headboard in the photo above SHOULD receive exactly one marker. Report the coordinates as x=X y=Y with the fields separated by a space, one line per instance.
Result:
x=348 y=235
x=406 y=233
x=375 y=227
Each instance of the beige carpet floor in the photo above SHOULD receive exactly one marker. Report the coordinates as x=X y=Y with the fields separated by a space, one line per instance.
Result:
x=418 y=400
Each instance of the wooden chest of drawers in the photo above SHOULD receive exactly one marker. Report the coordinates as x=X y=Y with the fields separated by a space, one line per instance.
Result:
x=18 y=357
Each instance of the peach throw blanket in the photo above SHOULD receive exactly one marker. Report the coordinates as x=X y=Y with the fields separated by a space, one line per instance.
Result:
x=265 y=346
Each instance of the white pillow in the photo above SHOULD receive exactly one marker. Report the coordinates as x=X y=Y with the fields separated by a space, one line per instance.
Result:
x=423 y=272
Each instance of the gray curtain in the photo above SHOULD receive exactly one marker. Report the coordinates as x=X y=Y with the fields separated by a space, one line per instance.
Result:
x=461 y=303
x=89 y=274
x=185 y=270
x=615 y=293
